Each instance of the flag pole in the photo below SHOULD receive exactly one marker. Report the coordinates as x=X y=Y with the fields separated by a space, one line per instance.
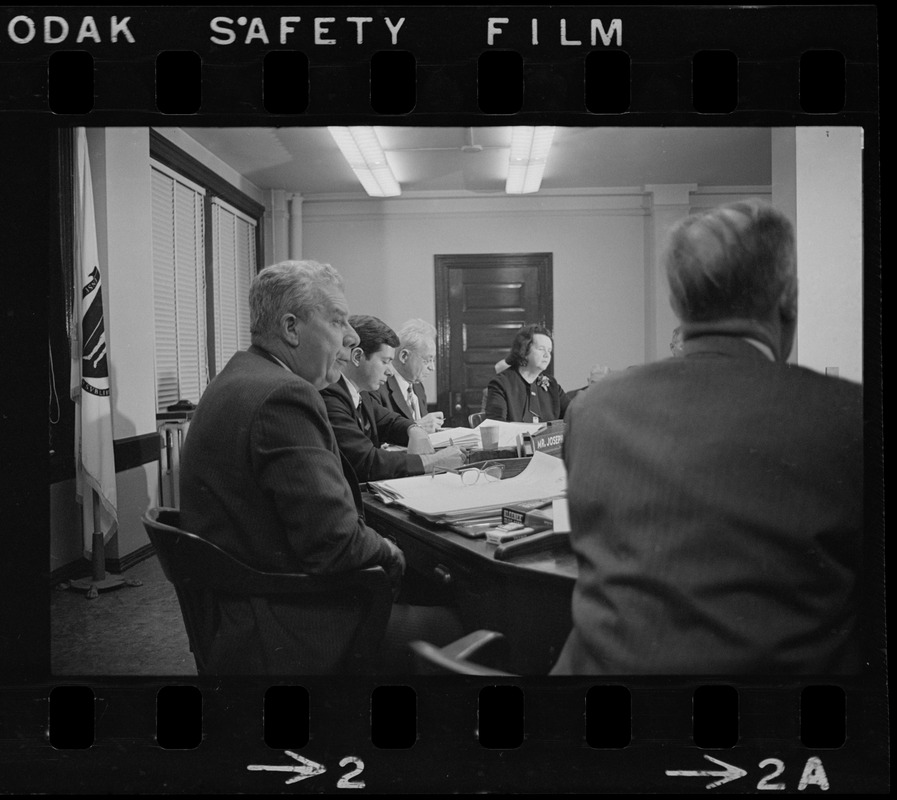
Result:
x=100 y=582
x=90 y=384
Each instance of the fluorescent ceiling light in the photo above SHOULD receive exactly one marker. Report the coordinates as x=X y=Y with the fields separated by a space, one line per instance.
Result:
x=529 y=155
x=362 y=150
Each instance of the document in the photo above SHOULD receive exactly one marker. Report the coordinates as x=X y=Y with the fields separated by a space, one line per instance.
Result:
x=445 y=498
x=458 y=437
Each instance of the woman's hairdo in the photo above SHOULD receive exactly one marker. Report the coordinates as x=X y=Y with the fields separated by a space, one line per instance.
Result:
x=522 y=343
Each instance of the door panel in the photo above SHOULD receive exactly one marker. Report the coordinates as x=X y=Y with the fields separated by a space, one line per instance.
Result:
x=481 y=301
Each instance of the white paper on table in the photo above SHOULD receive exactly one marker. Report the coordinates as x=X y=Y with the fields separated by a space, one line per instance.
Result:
x=444 y=495
x=509 y=431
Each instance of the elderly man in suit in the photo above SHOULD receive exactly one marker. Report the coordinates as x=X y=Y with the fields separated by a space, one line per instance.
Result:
x=716 y=500
x=362 y=425
x=262 y=477
x=403 y=390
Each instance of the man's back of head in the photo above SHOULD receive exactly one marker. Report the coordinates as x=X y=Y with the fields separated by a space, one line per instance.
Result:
x=735 y=262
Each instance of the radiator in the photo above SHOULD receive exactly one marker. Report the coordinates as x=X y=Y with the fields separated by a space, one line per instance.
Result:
x=172 y=435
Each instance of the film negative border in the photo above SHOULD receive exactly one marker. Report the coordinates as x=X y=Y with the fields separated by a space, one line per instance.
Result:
x=105 y=735
x=526 y=60
x=538 y=739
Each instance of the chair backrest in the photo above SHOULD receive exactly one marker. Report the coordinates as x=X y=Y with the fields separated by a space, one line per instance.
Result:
x=457 y=658
x=476 y=418
x=200 y=571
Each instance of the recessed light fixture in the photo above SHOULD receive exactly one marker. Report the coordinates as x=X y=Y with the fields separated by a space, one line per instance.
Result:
x=529 y=155
x=361 y=149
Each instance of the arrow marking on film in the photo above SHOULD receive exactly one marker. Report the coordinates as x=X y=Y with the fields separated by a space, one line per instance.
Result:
x=730 y=773
x=305 y=768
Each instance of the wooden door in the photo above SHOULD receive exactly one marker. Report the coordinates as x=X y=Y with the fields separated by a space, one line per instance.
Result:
x=481 y=301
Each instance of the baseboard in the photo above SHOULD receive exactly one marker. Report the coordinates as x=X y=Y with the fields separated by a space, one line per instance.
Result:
x=131 y=559
x=82 y=568
x=71 y=572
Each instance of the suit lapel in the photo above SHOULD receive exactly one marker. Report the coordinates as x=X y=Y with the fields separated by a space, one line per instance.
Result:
x=421 y=398
x=399 y=398
x=368 y=420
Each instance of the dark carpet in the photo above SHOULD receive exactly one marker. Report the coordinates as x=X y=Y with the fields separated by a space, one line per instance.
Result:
x=132 y=630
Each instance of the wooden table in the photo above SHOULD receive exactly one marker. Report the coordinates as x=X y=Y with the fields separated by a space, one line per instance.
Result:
x=526 y=597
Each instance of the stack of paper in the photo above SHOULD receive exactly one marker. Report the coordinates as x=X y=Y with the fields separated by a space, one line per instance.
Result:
x=443 y=498
x=458 y=437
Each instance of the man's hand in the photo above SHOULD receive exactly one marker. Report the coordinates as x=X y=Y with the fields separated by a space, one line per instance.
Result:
x=432 y=422
x=418 y=441
x=449 y=458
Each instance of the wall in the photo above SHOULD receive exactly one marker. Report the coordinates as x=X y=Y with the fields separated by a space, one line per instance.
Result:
x=829 y=200
x=817 y=183
x=385 y=249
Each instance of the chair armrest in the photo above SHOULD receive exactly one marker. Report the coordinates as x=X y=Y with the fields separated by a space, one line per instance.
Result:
x=456 y=658
x=477 y=645
x=373 y=579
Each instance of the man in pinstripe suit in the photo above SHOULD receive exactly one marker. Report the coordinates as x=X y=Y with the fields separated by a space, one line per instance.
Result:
x=262 y=477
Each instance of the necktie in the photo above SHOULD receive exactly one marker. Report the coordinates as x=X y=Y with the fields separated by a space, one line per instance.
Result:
x=362 y=418
x=409 y=392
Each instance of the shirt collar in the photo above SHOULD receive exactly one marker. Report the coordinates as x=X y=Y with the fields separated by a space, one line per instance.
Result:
x=280 y=362
x=763 y=348
x=403 y=384
x=353 y=392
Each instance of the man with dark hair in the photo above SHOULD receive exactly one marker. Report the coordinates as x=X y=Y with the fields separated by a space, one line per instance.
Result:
x=262 y=477
x=362 y=425
x=716 y=500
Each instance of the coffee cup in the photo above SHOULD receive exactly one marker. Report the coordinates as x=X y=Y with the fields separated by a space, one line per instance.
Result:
x=489 y=436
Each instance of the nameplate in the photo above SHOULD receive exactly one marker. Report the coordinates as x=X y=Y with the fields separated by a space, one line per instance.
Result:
x=549 y=441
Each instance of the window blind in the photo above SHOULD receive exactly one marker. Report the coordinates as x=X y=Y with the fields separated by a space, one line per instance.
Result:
x=233 y=267
x=181 y=361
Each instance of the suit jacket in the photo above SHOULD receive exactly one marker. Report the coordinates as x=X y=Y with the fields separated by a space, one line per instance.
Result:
x=262 y=477
x=392 y=397
x=510 y=398
x=716 y=505
x=362 y=448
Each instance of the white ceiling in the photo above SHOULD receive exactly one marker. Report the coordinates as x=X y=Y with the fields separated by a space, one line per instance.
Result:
x=307 y=161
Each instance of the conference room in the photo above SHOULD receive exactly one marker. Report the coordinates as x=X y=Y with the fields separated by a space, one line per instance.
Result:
x=438 y=230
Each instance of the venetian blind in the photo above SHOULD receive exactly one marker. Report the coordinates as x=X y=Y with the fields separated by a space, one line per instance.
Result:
x=233 y=267
x=181 y=360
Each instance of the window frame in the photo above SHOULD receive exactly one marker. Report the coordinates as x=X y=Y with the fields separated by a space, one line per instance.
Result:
x=170 y=155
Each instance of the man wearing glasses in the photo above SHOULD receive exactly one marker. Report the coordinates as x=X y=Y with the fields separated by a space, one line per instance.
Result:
x=415 y=358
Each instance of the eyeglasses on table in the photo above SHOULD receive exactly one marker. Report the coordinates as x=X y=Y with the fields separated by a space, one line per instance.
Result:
x=471 y=475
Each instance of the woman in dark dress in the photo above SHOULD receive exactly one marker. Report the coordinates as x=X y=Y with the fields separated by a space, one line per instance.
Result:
x=523 y=393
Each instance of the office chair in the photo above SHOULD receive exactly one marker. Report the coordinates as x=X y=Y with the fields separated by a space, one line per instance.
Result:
x=476 y=418
x=201 y=571
x=456 y=658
